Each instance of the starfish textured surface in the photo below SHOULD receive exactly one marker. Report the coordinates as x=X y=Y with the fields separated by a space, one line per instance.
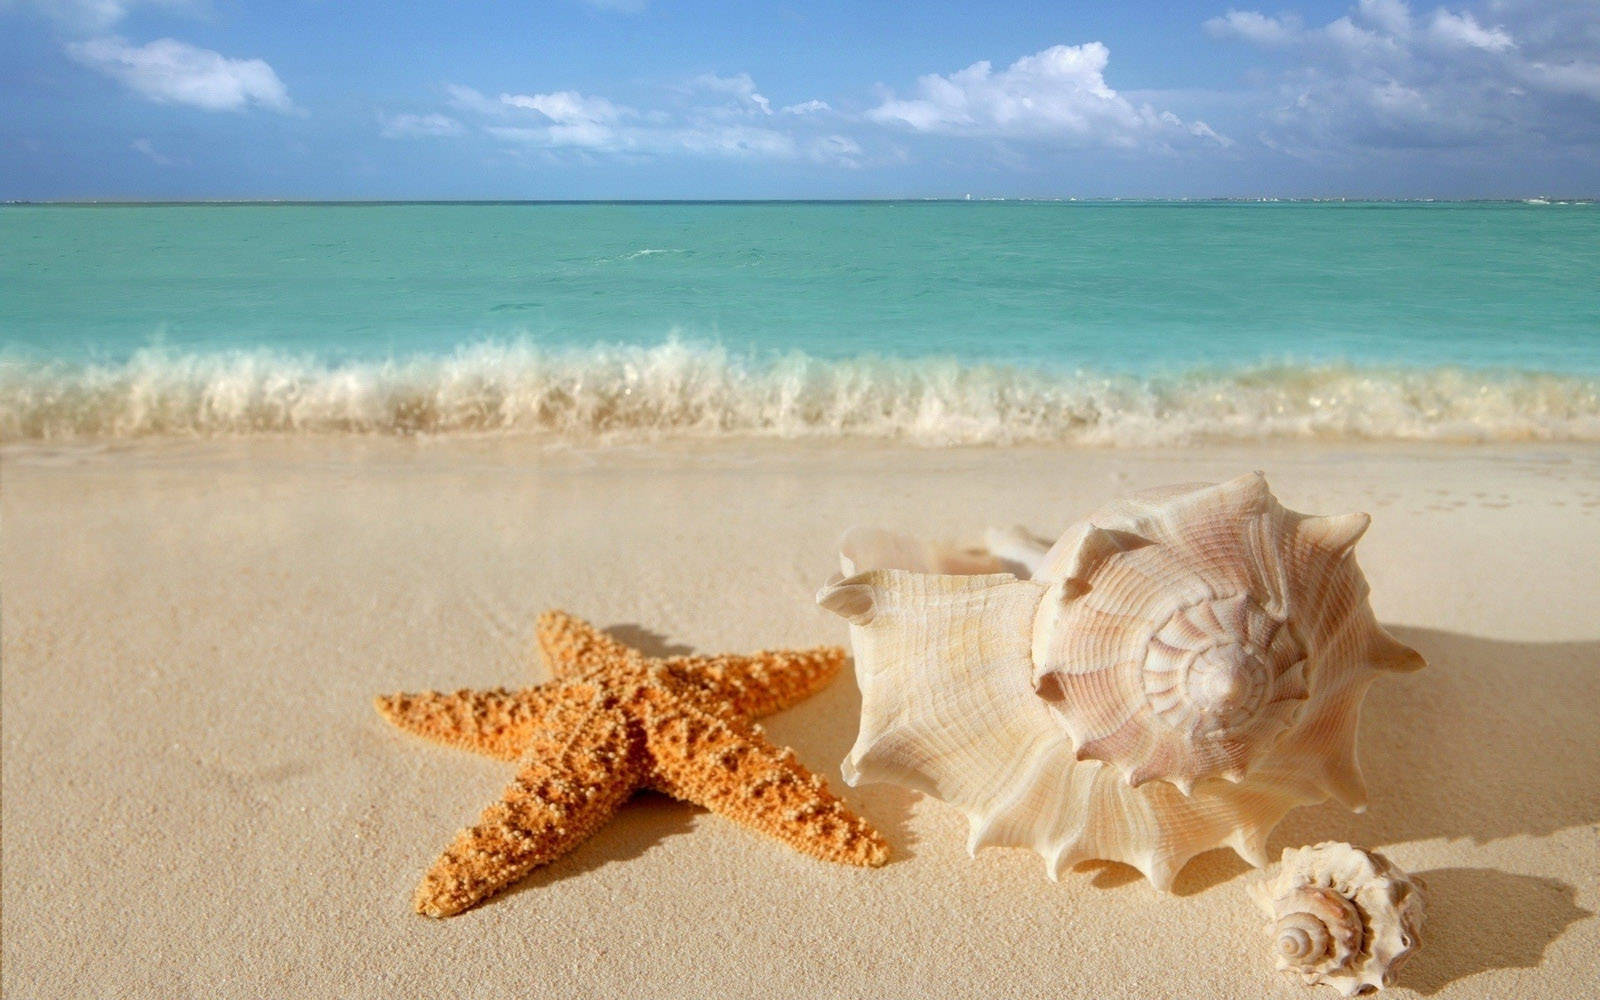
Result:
x=613 y=721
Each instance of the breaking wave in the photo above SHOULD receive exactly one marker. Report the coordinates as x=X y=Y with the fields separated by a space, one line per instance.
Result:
x=680 y=390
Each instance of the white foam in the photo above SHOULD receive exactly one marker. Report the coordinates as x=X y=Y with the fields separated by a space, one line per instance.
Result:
x=675 y=389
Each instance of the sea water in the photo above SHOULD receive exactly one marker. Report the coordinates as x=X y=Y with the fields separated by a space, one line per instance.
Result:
x=937 y=322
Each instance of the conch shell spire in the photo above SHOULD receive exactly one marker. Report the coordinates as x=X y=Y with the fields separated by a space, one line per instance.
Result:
x=1174 y=674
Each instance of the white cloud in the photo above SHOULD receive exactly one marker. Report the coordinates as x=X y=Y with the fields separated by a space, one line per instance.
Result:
x=566 y=107
x=1059 y=94
x=1464 y=31
x=714 y=116
x=409 y=126
x=173 y=72
x=1256 y=27
x=1511 y=74
x=570 y=119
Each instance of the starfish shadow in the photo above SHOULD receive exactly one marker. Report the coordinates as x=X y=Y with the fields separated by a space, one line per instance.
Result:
x=1470 y=913
x=647 y=641
x=646 y=820
x=821 y=731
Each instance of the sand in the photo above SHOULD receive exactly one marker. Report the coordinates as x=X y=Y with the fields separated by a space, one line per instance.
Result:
x=199 y=799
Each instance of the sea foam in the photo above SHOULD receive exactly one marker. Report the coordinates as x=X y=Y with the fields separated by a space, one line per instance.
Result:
x=682 y=390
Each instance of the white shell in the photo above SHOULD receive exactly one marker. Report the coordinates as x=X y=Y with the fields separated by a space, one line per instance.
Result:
x=1341 y=916
x=1174 y=674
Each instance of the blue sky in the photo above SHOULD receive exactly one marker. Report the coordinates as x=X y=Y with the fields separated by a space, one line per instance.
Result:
x=675 y=99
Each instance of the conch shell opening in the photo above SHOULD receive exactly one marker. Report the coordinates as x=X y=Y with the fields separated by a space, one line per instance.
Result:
x=1174 y=674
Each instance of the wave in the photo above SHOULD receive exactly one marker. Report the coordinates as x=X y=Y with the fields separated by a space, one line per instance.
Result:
x=615 y=394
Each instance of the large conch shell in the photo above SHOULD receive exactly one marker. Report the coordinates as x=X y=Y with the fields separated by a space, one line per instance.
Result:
x=1341 y=916
x=1175 y=674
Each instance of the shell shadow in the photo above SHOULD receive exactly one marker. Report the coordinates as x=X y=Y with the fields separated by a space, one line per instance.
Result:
x=821 y=730
x=1493 y=740
x=1470 y=911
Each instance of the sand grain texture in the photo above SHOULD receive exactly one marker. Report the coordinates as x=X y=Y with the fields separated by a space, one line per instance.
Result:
x=200 y=802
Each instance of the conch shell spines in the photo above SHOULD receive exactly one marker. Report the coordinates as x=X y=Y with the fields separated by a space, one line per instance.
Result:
x=1179 y=671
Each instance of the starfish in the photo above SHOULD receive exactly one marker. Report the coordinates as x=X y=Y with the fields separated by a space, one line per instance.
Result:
x=613 y=721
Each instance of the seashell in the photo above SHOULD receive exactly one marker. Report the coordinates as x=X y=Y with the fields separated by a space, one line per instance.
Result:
x=1174 y=674
x=1341 y=916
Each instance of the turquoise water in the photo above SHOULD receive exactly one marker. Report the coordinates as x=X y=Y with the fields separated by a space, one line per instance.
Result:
x=1106 y=322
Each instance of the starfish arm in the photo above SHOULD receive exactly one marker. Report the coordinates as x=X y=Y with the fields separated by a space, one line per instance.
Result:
x=757 y=684
x=496 y=723
x=581 y=766
x=761 y=683
x=727 y=765
x=570 y=646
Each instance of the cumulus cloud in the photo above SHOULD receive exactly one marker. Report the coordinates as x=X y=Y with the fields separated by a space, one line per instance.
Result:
x=1059 y=94
x=409 y=126
x=1386 y=75
x=173 y=72
x=715 y=116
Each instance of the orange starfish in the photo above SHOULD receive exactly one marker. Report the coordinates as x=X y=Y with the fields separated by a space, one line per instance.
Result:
x=614 y=721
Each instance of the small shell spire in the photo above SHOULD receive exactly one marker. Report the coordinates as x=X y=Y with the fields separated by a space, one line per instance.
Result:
x=1174 y=674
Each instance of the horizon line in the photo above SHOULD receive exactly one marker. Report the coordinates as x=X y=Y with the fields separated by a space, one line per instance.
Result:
x=967 y=199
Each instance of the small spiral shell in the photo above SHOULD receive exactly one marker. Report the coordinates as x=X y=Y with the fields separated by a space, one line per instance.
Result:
x=1341 y=916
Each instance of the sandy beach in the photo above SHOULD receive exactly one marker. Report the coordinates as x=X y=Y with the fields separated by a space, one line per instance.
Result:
x=199 y=800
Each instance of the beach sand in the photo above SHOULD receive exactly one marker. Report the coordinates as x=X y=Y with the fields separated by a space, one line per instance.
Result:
x=199 y=799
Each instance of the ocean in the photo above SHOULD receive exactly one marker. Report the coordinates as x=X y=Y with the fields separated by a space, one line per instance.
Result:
x=1101 y=323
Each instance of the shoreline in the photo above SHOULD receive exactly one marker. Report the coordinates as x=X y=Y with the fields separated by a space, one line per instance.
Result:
x=687 y=389
x=192 y=632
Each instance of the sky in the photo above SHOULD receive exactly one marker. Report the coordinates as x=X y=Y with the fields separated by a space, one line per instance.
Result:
x=567 y=99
